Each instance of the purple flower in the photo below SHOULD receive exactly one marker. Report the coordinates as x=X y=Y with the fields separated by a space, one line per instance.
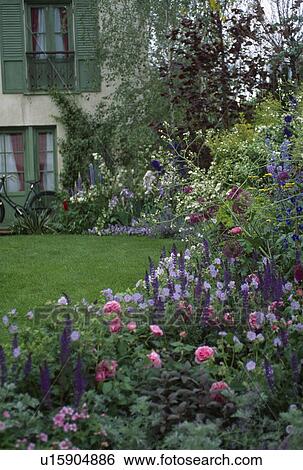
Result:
x=137 y=297
x=16 y=352
x=128 y=298
x=213 y=271
x=5 y=320
x=295 y=305
x=251 y=336
x=75 y=336
x=250 y=365
x=30 y=315
x=13 y=329
x=277 y=342
x=63 y=300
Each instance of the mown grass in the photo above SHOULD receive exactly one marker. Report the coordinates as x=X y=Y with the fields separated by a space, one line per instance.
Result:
x=37 y=269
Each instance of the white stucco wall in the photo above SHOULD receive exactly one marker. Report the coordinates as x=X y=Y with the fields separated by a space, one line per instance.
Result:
x=39 y=110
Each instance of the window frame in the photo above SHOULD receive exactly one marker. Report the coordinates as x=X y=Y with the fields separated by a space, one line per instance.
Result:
x=53 y=130
x=17 y=130
x=49 y=23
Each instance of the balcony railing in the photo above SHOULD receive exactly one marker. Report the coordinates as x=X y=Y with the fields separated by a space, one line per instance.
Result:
x=51 y=70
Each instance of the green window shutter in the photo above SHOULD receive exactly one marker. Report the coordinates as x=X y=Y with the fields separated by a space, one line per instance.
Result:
x=86 y=25
x=12 y=46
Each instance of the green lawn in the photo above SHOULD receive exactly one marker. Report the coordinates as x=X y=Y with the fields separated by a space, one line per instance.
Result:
x=35 y=269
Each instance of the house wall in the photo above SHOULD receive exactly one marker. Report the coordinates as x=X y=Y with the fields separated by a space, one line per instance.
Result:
x=39 y=110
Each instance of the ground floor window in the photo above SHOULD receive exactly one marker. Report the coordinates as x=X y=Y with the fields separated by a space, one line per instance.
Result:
x=28 y=154
x=46 y=159
x=12 y=160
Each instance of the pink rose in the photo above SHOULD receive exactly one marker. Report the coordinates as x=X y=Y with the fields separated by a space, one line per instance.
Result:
x=218 y=387
x=6 y=414
x=203 y=353
x=106 y=369
x=115 y=325
x=155 y=359
x=112 y=307
x=235 y=230
x=156 y=330
x=132 y=326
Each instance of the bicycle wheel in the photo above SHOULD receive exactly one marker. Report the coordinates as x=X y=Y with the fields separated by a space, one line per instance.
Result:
x=2 y=212
x=45 y=201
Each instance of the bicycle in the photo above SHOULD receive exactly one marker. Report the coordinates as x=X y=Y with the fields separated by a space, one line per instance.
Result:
x=36 y=200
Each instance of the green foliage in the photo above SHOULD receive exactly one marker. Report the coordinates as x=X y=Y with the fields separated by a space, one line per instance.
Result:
x=34 y=223
x=193 y=436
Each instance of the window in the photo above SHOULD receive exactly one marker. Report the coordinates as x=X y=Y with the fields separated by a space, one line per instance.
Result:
x=46 y=159
x=12 y=160
x=49 y=44
x=51 y=61
x=26 y=155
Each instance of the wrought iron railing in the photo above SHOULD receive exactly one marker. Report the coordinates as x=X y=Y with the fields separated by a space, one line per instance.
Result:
x=50 y=70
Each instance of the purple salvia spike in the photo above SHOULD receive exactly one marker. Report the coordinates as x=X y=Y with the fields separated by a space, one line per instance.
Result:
x=28 y=366
x=245 y=302
x=3 y=368
x=151 y=267
x=163 y=253
x=15 y=342
x=147 y=283
x=79 y=381
x=294 y=361
x=171 y=287
x=198 y=289
x=227 y=278
x=183 y=280
x=269 y=374
x=45 y=383
x=266 y=284
x=206 y=251
x=65 y=345
x=284 y=338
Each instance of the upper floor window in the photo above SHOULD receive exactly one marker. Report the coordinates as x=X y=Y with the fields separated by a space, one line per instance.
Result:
x=51 y=61
x=48 y=44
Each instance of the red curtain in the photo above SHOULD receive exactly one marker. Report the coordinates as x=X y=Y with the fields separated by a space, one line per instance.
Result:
x=18 y=151
x=42 y=145
x=35 y=23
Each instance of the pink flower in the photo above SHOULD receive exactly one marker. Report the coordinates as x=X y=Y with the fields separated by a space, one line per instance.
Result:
x=188 y=189
x=183 y=334
x=2 y=426
x=132 y=326
x=31 y=446
x=115 y=325
x=156 y=330
x=217 y=387
x=106 y=369
x=43 y=437
x=6 y=414
x=112 y=307
x=203 y=353
x=256 y=320
x=66 y=444
x=58 y=420
x=235 y=230
x=155 y=359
